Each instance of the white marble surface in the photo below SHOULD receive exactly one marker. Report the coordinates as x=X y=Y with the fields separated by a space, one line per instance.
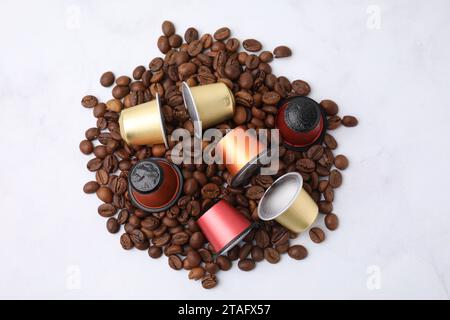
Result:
x=394 y=76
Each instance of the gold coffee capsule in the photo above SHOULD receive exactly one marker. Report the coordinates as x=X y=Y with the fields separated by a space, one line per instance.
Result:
x=211 y=104
x=288 y=203
x=143 y=124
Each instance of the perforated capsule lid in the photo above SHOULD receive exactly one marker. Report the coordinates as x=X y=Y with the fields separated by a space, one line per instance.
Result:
x=146 y=176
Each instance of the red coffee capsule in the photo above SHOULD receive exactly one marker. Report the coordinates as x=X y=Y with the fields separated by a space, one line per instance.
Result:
x=155 y=184
x=224 y=226
x=301 y=121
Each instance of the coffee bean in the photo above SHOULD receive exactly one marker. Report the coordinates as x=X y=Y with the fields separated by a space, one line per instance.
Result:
x=102 y=177
x=246 y=264
x=210 y=191
x=330 y=142
x=305 y=165
x=92 y=133
x=107 y=79
x=262 y=238
x=315 y=152
x=349 y=121
x=107 y=210
x=195 y=48
x=105 y=194
x=266 y=56
x=86 y=147
x=252 y=45
x=341 y=162
x=196 y=273
x=154 y=252
x=224 y=262
x=298 y=252
x=257 y=253
x=271 y=98
x=163 y=44
x=126 y=242
x=279 y=237
x=245 y=250
x=150 y=223
x=94 y=164
x=156 y=64
x=180 y=238
x=138 y=72
x=282 y=52
x=209 y=281
x=211 y=267
x=329 y=194
x=335 y=180
x=190 y=186
x=325 y=207
x=186 y=70
x=168 y=28
x=334 y=122
x=194 y=259
x=175 y=262
x=330 y=107
x=119 y=92
x=112 y=225
x=331 y=221
x=90 y=187
x=317 y=235
x=197 y=240
x=301 y=87
x=190 y=35
x=161 y=240
x=222 y=34
x=89 y=101
x=254 y=192
x=271 y=255
x=233 y=45
x=252 y=61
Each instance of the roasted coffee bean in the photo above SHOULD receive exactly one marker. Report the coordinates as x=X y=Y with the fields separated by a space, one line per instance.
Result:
x=102 y=177
x=122 y=218
x=190 y=186
x=335 y=180
x=90 y=187
x=172 y=249
x=330 y=107
x=254 y=192
x=298 y=252
x=210 y=191
x=222 y=34
x=107 y=210
x=315 y=152
x=209 y=281
x=205 y=254
x=328 y=194
x=330 y=142
x=119 y=186
x=110 y=163
x=233 y=45
x=154 y=252
x=301 y=87
x=138 y=72
x=317 y=235
x=112 y=225
x=107 y=79
x=197 y=240
x=86 y=147
x=325 y=207
x=89 y=101
x=341 y=162
x=162 y=240
x=246 y=264
x=123 y=81
x=257 y=253
x=99 y=110
x=175 y=41
x=100 y=152
x=180 y=238
x=224 y=263
x=331 y=221
x=252 y=45
x=196 y=273
x=282 y=52
x=252 y=62
x=156 y=64
x=175 y=262
x=195 y=48
x=282 y=248
x=92 y=133
x=245 y=250
x=264 y=181
x=119 y=92
x=190 y=35
x=266 y=56
x=334 y=122
x=233 y=253
x=126 y=242
x=305 y=165
x=163 y=44
x=271 y=255
x=349 y=121
x=105 y=194
x=211 y=267
x=262 y=238
x=150 y=223
x=279 y=236
x=271 y=98
x=168 y=28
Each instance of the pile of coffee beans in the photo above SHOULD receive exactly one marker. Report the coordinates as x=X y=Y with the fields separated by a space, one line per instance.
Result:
x=199 y=60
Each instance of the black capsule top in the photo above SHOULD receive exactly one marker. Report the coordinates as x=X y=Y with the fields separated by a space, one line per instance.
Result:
x=302 y=114
x=146 y=176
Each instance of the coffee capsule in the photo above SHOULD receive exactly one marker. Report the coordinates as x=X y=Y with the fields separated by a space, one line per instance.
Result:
x=241 y=150
x=301 y=121
x=224 y=226
x=154 y=184
x=211 y=104
x=143 y=124
x=288 y=203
